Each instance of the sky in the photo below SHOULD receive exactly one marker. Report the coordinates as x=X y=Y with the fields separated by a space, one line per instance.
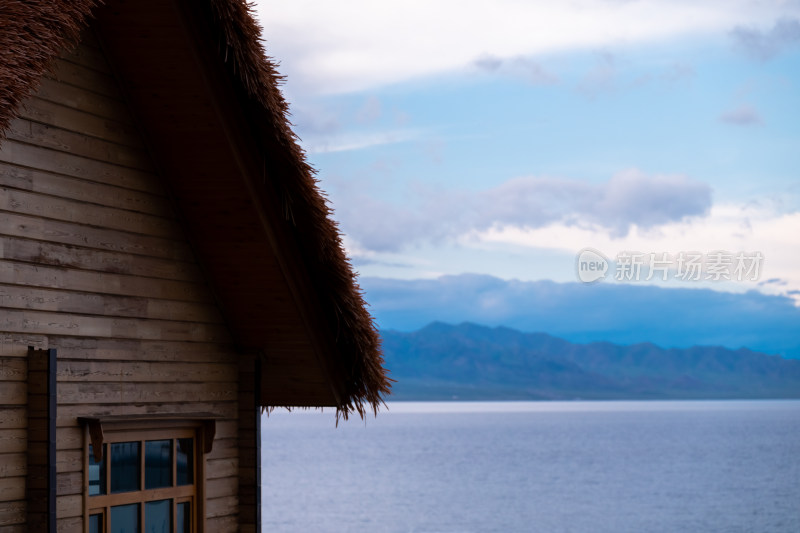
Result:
x=494 y=141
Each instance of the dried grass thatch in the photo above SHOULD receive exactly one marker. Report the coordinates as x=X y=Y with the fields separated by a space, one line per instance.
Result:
x=34 y=32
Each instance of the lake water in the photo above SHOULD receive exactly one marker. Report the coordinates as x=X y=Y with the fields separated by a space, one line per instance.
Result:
x=695 y=466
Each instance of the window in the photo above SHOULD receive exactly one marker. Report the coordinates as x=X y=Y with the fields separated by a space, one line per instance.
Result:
x=144 y=481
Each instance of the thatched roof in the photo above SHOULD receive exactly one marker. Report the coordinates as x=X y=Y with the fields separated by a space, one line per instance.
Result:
x=235 y=85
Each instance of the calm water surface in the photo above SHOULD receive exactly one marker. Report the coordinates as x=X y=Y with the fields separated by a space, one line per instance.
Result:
x=729 y=466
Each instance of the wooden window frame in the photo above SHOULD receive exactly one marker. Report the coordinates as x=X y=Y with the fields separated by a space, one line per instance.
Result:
x=142 y=431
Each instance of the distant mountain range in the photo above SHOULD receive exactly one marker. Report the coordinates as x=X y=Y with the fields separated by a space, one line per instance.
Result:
x=473 y=362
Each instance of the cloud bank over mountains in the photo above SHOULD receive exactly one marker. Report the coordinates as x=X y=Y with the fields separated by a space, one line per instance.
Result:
x=623 y=314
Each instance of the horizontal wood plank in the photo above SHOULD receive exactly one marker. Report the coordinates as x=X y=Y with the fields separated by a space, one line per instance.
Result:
x=32 y=227
x=90 y=79
x=13 y=464
x=52 y=184
x=223 y=524
x=75 y=212
x=224 y=448
x=64 y=139
x=69 y=483
x=142 y=372
x=12 y=512
x=69 y=438
x=217 y=488
x=46 y=323
x=12 y=488
x=13 y=417
x=70 y=525
x=227 y=429
x=79 y=99
x=69 y=413
x=12 y=369
x=16 y=297
x=31 y=275
x=221 y=506
x=32 y=156
x=69 y=505
x=80 y=258
x=78 y=348
x=142 y=393
x=69 y=460
x=15 y=344
x=12 y=393
x=226 y=467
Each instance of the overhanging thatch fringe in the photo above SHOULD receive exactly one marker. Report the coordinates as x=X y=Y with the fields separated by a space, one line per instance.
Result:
x=357 y=339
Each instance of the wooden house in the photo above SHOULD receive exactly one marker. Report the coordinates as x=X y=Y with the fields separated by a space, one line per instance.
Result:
x=168 y=268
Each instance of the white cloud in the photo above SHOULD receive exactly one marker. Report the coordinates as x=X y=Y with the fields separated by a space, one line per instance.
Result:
x=343 y=142
x=354 y=45
x=628 y=199
x=729 y=227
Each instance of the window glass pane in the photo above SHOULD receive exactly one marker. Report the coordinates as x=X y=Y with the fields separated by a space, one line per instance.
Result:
x=158 y=516
x=124 y=466
x=184 y=518
x=96 y=523
x=125 y=518
x=157 y=464
x=97 y=473
x=185 y=462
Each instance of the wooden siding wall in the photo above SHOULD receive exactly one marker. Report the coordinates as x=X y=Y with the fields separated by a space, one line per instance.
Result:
x=93 y=262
